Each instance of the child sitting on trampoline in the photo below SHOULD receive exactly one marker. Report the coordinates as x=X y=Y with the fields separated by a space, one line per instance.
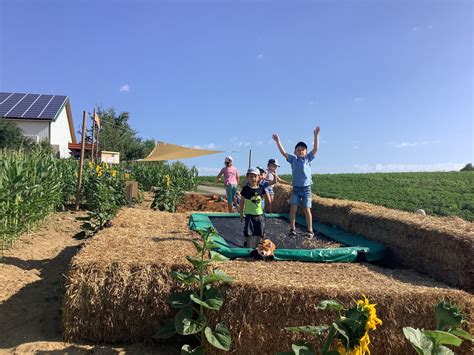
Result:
x=302 y=180
x=251 y=205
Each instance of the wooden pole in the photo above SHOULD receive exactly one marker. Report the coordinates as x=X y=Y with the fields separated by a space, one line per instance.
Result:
x=81 y=161
x=97 y=140
x=250 y=158
x=93 y=131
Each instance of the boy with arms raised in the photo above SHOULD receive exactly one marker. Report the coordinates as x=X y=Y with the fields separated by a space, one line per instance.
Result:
x=251 y=206
x=302 y=180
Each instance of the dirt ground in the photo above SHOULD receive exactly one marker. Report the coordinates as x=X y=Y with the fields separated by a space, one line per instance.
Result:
x=31 y=292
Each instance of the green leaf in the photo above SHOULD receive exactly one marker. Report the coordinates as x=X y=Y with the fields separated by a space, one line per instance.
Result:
x=217 y=257
x=197 y=262
x=302 y=348
x=186 y=325
x=343 y=333
x=198 y=246
x=448 y=316
x=211 y=245
x=422 y=344
x=187 y=278
x=441 y=337
x=220 y=338
x=212 y=299
x=312 y=329
x=186 y=349
x=330 y=304
x=461 y=333
x=442 y=350
x=167 y=330
x=180 y=299
x=217 y=275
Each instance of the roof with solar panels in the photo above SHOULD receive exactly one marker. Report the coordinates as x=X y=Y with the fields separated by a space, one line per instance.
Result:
x=31 y=106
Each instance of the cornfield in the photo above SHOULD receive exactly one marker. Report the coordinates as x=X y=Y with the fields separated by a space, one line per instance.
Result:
x=33 y=184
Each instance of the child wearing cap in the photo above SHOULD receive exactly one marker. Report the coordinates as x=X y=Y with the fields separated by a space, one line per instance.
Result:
x=271 y=175
x=251 y=206
x=231 y=180
x=265 y=183
x=301 y=170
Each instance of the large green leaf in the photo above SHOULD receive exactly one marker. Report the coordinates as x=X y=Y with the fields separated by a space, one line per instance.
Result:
x=422 y=344
x=442 y=350
x=167 y=330
x=302 y=348
x=441 y=337
x=212 y=299
x=180 y=299
x=330 y=304
x=198 y=246
x=186 y=325
x=217 y=275
x=197 y=262
x=462 y=334
x=312 y=329
x=448 y=316
x=187 y=278
x=220 y=338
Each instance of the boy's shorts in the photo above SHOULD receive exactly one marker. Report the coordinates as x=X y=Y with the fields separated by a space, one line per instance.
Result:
x=254 y=227
x=230 y=191
x=301 y=195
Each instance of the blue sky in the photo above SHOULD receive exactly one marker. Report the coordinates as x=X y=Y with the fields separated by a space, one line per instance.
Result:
x=390 y=83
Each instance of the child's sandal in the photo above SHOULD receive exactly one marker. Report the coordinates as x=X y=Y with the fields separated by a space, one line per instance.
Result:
x=292 y=233
x=309 y=234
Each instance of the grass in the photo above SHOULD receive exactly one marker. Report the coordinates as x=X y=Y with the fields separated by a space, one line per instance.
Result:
x=438 y=193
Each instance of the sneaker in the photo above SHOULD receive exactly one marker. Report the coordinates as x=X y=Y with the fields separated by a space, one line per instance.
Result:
x=309 y=234
x=292 y=233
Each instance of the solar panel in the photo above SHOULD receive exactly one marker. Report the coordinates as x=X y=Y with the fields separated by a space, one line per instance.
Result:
x=53 y=107
x=22 y=106
x=10 y=103
x=38 y=107
x=3 y=96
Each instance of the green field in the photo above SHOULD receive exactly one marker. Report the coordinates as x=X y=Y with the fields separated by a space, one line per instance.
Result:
x=438 y=193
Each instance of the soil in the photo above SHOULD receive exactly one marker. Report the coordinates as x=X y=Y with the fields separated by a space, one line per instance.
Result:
x=197 y=202
x=31 y=292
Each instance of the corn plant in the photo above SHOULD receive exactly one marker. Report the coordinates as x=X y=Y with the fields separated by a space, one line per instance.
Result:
x=103 y=194
x=348 y=334
x=449 y=320
x=201 y=298
x=33 y=184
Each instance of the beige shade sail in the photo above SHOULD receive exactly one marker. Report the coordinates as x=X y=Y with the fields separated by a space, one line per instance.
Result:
x=167 y=151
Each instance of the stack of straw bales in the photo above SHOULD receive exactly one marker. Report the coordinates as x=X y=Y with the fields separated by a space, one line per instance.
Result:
x=119 y=283
x=440 y=247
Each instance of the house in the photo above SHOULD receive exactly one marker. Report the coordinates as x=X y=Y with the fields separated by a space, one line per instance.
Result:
x=41 y=117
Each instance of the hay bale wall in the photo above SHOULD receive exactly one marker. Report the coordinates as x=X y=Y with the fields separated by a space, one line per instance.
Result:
x=441 y=247
x=119 y=283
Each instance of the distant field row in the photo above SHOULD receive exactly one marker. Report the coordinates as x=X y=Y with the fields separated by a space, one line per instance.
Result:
x=438 y=193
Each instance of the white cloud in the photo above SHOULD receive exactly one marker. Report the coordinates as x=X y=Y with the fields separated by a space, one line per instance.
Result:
x=413 y=144
x=355 y=147
x=206 y=146
x=259 y=143
x=367 y=168
x=260 y=56
x=358 y=99
x=125 y=88
x=243 y=144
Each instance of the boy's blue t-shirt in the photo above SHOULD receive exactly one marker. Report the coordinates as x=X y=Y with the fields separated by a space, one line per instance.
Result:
x=301 y=169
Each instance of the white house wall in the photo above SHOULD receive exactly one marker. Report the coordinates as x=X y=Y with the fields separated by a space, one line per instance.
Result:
x=35 y=130
x=60 y=134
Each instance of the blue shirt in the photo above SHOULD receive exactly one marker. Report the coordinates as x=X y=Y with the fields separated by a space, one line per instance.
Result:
x=301 y=169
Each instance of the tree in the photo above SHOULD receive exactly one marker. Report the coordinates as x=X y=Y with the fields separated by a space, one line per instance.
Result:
x=117 y=135
x=468 y=167
x=11 y=136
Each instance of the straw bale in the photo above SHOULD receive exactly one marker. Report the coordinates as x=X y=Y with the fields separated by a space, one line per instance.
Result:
x=119 y=283
x=441 y=247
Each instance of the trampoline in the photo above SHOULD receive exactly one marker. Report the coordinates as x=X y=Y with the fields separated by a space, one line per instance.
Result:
x=330 y=244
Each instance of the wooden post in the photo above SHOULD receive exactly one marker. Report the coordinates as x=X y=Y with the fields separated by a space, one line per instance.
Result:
x=97 y=140
x=81 y=161
x=250 y=158
x=93 y=131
